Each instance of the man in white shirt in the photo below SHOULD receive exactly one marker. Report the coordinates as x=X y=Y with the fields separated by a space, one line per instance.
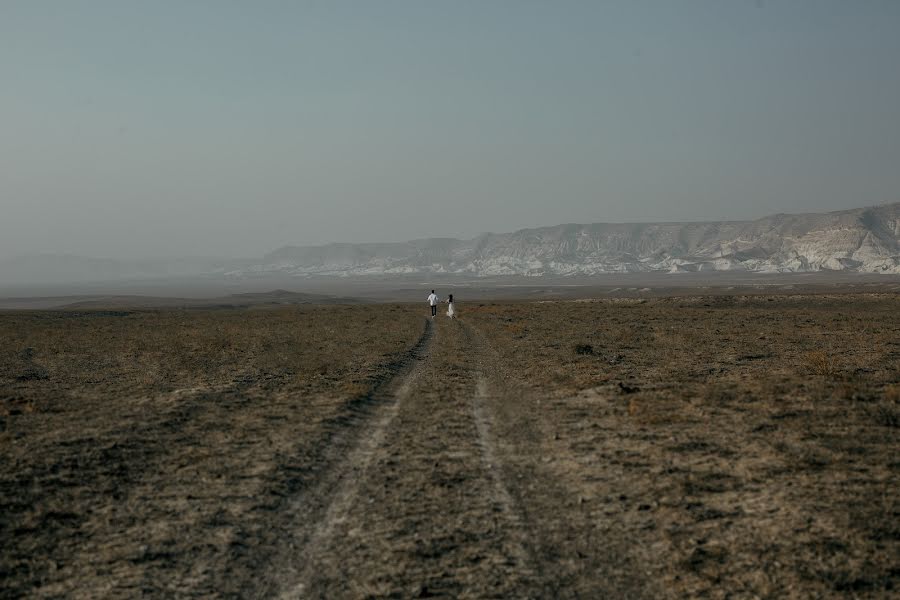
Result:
x=432 y=301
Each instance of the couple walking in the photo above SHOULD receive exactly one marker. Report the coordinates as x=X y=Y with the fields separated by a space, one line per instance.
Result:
x=433 y=302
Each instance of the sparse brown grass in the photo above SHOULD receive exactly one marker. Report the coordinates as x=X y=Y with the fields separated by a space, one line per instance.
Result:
x=150 y=441
x=729 y=446
x=753 y=439
x=821 y=363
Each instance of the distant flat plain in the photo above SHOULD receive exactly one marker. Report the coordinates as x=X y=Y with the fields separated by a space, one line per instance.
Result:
x=212 y=291
x=559 y=439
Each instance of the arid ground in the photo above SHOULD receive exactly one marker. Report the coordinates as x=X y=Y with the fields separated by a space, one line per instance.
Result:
x=719 y=446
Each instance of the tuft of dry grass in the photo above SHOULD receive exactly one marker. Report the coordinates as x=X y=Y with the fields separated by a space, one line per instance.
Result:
x=821 y=363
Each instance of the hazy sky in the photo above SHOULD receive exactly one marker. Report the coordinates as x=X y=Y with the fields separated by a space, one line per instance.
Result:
x=159 y=128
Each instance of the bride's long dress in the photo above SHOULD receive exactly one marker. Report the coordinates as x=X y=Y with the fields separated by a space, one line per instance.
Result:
x=450 y=312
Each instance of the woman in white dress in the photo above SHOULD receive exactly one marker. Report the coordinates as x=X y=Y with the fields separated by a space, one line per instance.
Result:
x=450 y=312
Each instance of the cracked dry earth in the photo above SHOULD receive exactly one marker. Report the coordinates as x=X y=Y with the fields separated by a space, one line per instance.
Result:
x=425 y=506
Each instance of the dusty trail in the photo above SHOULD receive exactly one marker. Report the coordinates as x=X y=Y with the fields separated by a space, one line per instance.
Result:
x=422 y=508
x=300 y=523
x=576 y=551
x=448 y=493
x=433 y=482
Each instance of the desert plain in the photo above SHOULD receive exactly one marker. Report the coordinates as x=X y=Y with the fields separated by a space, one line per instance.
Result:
x=695 y=446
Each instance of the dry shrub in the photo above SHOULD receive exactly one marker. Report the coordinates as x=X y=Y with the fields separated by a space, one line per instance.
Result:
x=821 y=363
x=634 y=408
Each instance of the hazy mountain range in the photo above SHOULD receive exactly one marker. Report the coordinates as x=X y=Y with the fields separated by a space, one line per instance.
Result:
x=864 y=240
x=859 y=240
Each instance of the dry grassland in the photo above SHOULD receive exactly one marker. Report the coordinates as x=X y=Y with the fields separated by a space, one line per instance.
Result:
x=713 y=447
x=735 y=446
x=153 y=452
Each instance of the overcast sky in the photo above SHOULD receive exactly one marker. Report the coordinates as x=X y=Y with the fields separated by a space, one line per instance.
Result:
x=161 y=128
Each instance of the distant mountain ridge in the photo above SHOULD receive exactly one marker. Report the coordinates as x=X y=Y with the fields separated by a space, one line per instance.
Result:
x=864 y=240
x=860 y=240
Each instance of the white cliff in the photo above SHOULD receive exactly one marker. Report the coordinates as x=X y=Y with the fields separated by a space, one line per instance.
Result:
x=860 y=240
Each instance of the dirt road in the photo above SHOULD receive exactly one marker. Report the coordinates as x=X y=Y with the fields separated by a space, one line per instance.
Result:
x=430 y=503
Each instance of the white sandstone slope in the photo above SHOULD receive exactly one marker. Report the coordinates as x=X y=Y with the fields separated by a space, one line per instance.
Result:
x=861 y=240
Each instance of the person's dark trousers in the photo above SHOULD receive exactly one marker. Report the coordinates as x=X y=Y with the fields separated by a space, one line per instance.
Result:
x=433 y=310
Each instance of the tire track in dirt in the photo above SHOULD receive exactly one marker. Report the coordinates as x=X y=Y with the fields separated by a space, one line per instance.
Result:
x=118 y=485
x=422 y=509
x=572 y=559
x=342 y=482
x=309 y=489
x=159 y=533
x=501 y=493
